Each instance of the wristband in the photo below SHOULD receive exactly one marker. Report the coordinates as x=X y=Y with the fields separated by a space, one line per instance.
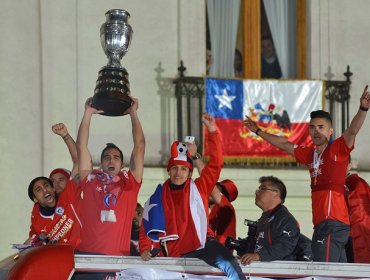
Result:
x=258 y=130
x=364 y=109
x=66 y=137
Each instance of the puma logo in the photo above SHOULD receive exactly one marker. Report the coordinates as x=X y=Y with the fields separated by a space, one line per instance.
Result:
x=321 y=241
x=287 y=232
x=306 y=258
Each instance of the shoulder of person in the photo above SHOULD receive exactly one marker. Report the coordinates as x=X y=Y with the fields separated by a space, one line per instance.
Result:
x=283 y=214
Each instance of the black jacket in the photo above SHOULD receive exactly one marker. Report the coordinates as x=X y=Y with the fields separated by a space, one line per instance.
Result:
x=277 y=235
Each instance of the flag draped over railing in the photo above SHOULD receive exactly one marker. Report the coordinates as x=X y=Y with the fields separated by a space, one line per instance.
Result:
x=277 y=106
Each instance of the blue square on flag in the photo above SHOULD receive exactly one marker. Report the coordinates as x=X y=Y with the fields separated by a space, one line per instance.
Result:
x=224 y=98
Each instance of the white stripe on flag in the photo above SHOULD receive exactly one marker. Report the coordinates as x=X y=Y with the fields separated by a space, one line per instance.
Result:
x=298 y=98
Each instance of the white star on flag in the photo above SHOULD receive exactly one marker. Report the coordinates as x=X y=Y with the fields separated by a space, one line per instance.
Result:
x=147 y=208
x=225 y=100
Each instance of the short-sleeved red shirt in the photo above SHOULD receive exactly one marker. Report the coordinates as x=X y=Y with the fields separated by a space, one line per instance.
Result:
x=106 y=209
x=328 y=173
x=64 y=225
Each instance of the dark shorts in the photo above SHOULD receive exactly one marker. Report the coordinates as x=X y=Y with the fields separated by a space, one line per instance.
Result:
x=329 y=241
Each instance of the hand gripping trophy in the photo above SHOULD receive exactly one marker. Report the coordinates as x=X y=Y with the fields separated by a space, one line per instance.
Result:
x=112 y=86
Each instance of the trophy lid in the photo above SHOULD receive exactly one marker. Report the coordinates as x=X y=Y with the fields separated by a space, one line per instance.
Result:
x=117 y=15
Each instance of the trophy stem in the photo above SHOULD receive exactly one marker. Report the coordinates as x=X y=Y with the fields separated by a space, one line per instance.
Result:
x=114 y=61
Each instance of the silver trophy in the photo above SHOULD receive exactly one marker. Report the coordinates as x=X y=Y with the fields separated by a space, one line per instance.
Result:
x=112 y=86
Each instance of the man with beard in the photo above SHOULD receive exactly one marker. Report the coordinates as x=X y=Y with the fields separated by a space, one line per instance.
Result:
x=109 y=195
x=327 y=164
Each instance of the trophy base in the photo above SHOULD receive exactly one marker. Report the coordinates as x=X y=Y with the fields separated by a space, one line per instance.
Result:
x=112 y=92
x=113 y=104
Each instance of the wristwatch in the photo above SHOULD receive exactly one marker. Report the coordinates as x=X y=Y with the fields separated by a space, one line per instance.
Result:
x=197 y=156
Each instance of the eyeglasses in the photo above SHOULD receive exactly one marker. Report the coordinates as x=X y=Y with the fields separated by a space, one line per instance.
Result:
x=264 y=188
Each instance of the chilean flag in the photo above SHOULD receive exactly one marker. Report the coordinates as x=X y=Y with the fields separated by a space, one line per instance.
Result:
x=278 y=107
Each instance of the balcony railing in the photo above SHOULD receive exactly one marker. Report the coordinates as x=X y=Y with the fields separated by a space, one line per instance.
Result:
x=189 y=92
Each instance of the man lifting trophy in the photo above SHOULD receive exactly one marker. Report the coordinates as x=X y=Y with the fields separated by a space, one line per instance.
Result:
x=112 y=87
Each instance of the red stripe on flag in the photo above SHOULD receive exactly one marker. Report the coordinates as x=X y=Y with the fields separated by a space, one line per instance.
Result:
x=238 y=141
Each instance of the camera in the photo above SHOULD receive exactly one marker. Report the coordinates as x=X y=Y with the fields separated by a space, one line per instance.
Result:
x=244 y=245
x=189 y=139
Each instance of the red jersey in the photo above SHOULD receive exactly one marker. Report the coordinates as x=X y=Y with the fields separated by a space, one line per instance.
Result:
x=222 y=220
x=358 y=197
x=64 y=225
x=106 y=209
x=328 y=173
x=176 y=204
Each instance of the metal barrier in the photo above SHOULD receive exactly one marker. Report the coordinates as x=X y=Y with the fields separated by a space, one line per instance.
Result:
x=274 y=270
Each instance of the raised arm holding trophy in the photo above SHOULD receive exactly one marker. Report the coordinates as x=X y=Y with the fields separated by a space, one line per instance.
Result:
x=109 y=193
x=112 y=86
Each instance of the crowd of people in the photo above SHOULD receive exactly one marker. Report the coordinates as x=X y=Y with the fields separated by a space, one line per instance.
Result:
x=96 y=211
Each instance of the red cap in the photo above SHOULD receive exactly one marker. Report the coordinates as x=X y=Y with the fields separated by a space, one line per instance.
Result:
x=230 y=188
x=63 y=171
x=180 y=156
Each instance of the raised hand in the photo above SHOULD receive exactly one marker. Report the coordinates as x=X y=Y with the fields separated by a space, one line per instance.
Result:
x=60 y=129
x=209 y=121
x=192 y=148
x=134 y=107
x=251 y=125
x=90 y=108
x=365 y=99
